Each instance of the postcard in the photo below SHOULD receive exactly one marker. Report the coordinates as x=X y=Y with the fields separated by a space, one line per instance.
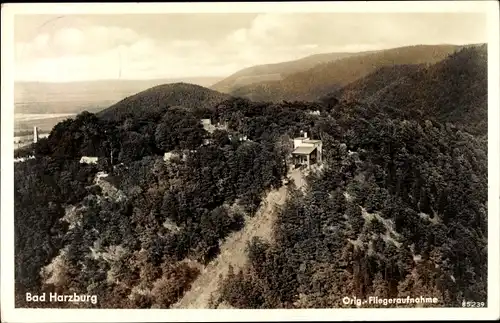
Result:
x=250 y=161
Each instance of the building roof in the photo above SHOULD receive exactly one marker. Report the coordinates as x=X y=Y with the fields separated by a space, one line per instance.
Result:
x=300 y=138
x=303 y=150
x=312 y=141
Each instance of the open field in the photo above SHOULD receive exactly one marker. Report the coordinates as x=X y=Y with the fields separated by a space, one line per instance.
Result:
x=44 y=122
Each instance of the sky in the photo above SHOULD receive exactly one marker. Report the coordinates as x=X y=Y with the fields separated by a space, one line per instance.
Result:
x=63 y=48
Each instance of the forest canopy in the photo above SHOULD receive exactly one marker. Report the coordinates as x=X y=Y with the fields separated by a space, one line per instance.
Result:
x=399 y=208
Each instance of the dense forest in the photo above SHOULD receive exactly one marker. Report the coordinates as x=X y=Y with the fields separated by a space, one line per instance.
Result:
x=399 y=211
x=400 y=207
x=448 y=91
x=148 y=219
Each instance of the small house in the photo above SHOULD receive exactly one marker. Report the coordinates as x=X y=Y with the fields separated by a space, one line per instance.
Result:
x=170 y=155
x=207 y=125
x=88 y=160
x=307 y=151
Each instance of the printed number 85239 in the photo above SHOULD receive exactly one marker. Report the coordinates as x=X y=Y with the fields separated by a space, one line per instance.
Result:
x=472 y=304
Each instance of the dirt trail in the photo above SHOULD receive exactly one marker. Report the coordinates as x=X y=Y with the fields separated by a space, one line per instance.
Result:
x=233 y=249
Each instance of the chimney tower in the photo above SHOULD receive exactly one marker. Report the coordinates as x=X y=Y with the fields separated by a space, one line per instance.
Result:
x=35 y=134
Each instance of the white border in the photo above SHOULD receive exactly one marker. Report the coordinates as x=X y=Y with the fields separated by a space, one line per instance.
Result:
x=10 y=314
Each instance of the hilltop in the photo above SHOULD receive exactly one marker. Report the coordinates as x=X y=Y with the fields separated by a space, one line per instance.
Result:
x=93 y=96
x=152 y=100
x=277 y=71
x=327 y=77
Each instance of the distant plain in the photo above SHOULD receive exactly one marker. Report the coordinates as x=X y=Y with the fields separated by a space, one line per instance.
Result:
x=45 y=104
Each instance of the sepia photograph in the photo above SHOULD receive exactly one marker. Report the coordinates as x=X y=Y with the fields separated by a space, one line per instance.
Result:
x=312 y=158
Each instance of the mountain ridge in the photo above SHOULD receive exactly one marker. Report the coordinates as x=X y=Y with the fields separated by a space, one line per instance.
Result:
x=324 y=78
x=282 y=69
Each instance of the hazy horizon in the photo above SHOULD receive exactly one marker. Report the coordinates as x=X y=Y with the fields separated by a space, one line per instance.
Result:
x=75 y=48
x=220 y=77
x=124 y=80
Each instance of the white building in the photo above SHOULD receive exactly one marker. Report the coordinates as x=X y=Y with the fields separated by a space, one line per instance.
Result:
x=207 y=125
x=210 y=128
x=88 y=160
x=169 y=155
x=307 y=151
x=22 y=159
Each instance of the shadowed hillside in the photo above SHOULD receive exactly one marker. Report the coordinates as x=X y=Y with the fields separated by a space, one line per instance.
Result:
x=154 y=99
x=453 y=90
x=324 y=78
x=379 y=80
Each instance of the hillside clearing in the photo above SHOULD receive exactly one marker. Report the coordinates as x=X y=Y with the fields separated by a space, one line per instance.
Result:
x=233 y=248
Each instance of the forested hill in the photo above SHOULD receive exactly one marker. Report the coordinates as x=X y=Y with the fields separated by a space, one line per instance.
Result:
x=453 y=90
x=400 y=210
x=186 y=95
x=277 y=71
x=324 y=78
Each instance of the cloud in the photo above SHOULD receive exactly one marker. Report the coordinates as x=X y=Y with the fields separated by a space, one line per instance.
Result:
x=41 y=42
x=269 y=29
x=75 y=41
x=181 y=43
x=82 y=51
x=74 y=54
x=239 y=36
x=68 y=41
x=287 y=36
x=107 y=52
x=270 y=38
